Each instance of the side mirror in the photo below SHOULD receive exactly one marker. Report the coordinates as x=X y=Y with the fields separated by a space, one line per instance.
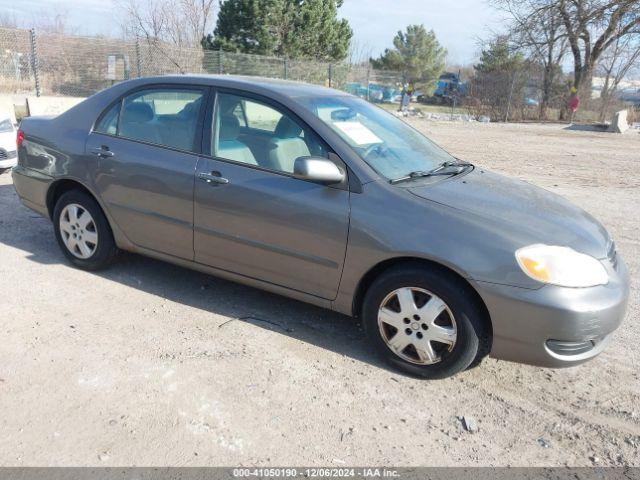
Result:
x=317 y=169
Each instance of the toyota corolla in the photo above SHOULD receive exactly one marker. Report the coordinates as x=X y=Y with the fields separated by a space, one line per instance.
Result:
x=321 y=196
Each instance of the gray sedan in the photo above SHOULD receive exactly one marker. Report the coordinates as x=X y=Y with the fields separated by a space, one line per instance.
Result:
x=321 y=196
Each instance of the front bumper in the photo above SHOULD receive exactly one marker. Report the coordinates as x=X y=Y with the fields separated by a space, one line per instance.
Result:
x=556 y=326
x=8 y=163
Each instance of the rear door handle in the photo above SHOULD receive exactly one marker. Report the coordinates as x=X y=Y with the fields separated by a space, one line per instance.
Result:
x=213 y=177
x=102 y=152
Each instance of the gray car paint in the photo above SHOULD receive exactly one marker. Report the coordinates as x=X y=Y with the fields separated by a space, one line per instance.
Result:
x=272 y=227
x=149 y=191
x=320 y=248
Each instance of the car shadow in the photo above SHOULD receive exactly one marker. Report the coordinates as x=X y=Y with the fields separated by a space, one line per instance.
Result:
x=26 y=230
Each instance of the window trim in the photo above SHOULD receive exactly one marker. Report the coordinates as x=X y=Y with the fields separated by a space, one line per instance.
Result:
x=207 y=136
x=197 y=141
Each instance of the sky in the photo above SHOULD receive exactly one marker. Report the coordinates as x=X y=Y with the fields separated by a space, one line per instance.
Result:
x=458 y=24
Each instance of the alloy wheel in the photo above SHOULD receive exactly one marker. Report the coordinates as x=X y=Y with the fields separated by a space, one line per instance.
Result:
x=78 y=231
x=417 y=325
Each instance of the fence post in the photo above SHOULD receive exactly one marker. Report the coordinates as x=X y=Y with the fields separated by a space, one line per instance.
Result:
x=286 y=73
x=220 y=68
x=138 y=60
x=35 y=67
x=330 y=74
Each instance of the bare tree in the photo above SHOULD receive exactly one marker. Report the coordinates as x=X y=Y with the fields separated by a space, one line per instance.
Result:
x=50 y=21
x=619 y=61
x=8 y=20
x=359 y=53
x=199 y=16
x=538 y=31
x=53 y=22
x=172 y=28
x=181 y=23
x=592 y=27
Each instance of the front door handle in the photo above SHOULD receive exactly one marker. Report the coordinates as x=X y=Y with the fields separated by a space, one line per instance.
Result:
x=102 y=152
x=213 y=177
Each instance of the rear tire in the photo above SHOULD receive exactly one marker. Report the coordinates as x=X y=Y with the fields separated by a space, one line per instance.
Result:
x=441 y=333
x=83 y=232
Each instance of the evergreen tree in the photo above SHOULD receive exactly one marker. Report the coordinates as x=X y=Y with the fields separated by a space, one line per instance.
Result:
x=288 y=28
x=499 y=57
x=501 y=79
x=417 y=54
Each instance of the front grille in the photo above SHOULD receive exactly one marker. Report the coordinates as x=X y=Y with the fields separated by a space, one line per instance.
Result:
x=4 y=155
x=570 y=348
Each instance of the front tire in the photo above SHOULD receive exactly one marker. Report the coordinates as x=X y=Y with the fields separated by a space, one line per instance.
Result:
x=424 y=321
x=83 y=232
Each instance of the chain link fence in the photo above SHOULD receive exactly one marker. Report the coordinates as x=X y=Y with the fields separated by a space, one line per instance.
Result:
x=44 y=64
x=16 y=61
x=61 y=65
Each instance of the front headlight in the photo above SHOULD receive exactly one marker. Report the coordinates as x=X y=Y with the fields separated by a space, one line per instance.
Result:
x=561 y=266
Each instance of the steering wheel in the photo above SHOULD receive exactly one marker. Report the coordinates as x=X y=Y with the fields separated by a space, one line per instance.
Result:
x=379 y=147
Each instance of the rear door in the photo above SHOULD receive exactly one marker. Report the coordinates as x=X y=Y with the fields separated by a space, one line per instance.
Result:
x=251 y=216
x=147 y=146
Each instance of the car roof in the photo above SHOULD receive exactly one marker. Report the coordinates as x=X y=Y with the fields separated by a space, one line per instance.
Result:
x=283 y=87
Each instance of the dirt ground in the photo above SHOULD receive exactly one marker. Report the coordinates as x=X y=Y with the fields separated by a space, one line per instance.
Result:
x=149 y=364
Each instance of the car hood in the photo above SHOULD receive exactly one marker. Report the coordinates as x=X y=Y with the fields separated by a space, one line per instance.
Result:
x=531 y=213
x=8 y=140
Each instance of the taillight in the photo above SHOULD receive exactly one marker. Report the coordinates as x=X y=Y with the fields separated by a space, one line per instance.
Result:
x=20 y=138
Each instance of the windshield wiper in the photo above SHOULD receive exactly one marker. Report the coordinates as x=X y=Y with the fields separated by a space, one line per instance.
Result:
x=442 y=169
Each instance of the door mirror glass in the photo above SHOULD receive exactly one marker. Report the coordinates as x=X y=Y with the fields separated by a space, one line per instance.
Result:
x=317 y=169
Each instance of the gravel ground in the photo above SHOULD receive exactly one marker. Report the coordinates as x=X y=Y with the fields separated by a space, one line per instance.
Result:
x=151 y=364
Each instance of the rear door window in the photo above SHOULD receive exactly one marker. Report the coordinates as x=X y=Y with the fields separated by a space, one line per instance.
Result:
x=162 y=116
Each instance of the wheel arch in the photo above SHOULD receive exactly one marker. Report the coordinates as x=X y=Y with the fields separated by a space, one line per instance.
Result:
x=60 y=187
x=63 y=185
x=397 y=262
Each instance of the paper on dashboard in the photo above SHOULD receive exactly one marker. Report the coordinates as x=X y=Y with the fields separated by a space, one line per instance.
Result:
x=357 y=132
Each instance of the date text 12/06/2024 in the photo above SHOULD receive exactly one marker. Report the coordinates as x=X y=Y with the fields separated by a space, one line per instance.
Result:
x=316 y=472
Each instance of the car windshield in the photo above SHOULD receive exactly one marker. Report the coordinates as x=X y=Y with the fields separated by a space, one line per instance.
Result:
x=6 y=125
x=390 y=146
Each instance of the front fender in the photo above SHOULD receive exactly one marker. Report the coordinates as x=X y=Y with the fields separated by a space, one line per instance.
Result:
x=390 y=223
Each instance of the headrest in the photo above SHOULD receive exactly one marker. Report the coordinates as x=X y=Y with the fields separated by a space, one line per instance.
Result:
x=138 y=112
x=190 y=108
x=287 y=128
x=227 y=104
x=229 y=127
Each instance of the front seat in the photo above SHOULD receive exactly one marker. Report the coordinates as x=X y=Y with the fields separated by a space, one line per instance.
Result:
x=136 y=123
x=287 y=146
x=229 y=146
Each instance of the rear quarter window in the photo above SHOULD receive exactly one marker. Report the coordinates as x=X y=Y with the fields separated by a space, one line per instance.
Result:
x=108 y=123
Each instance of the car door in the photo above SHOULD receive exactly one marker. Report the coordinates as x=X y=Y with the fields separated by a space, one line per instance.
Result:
x=147 y=148
x=252 y=216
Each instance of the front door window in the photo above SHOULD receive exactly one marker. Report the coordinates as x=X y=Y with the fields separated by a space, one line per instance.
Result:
x=252 y=132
